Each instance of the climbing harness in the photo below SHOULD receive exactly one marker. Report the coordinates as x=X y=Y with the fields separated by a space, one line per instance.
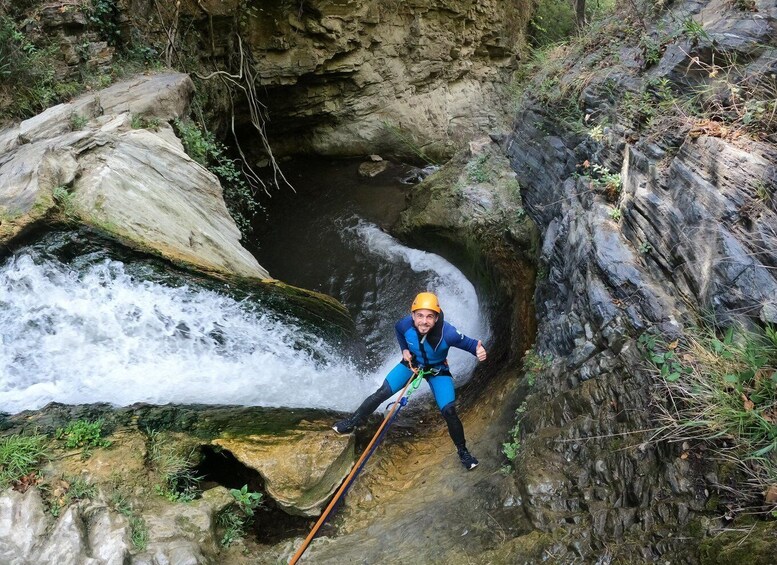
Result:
x=412 y=385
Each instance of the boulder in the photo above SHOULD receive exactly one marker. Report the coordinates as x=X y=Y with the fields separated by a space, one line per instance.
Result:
x=137 y=186
x=183 y=534
x=85 y=533
x=370 y=169
x=140 y=187
x=301 y=468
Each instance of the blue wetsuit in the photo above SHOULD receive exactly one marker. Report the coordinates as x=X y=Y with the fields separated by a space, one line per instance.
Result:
x=430 y=351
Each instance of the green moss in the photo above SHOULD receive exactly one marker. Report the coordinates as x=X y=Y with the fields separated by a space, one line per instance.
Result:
x=712 y=503
x=754 y=543
x=696 y=529
x=228 y=422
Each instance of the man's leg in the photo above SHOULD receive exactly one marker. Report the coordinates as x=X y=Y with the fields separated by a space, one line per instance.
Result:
x=445 y=396
x=393 y=382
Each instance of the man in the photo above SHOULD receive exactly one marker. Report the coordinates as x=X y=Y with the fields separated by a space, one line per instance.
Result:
x=424 y=338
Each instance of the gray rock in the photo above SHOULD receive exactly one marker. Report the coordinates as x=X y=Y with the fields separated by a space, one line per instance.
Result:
x=136 y=182
x=108 y=536
x=164 y=96
x=137 y=186
x=23 y=523
x=56 y=120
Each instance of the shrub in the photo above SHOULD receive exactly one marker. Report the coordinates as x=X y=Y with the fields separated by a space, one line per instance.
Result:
x=602 y=179
x=478 y=169
x=733 y=94
x=534 y=363
x=26 y=72
x=138 y=532
x=513 y=447
x=103 y=17
x=143 y=122
x=721 y=390
x=179 y=481
x=235 y=518
x=83 y=433
x=554 y=20
x=71 y=490
x=246 y=500
x=77 y=121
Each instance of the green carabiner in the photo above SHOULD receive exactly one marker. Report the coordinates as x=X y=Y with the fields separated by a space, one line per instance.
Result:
x=416 y=382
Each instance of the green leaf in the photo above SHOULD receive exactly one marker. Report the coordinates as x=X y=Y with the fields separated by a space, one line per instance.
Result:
x=764 y=450
x=673 y=377
x=731 y=379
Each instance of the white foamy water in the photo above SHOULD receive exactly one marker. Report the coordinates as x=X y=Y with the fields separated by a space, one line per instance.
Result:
x=101 y=335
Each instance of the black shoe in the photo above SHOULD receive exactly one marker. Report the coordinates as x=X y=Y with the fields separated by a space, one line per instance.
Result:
x=467 y=459
x=344 y=426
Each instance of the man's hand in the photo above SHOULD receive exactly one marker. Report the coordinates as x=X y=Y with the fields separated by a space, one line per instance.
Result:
x=480 y=352
x=407 y=356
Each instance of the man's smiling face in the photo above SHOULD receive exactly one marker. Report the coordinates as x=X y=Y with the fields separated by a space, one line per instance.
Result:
x=424 y=320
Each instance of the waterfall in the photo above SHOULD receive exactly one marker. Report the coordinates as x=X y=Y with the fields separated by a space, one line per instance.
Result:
x=94 y=332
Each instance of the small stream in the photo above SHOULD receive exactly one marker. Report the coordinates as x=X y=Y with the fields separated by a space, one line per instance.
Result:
x=96 y=328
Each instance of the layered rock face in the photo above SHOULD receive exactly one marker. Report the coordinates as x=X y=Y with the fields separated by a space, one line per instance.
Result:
x=356 y=77
x=697 y=236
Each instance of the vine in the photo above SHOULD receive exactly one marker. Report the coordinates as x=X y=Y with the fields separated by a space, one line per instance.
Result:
x=240 y=82
x=103 y=16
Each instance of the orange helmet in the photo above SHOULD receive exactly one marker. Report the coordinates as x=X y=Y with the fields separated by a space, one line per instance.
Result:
x=426 y=301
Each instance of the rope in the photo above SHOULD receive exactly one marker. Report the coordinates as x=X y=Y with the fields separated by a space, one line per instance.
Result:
x=412 y=384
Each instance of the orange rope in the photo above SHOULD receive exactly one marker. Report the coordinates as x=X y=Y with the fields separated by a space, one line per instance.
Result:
x=348 y=479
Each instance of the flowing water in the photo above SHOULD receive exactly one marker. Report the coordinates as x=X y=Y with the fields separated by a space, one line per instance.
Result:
x=93 y=328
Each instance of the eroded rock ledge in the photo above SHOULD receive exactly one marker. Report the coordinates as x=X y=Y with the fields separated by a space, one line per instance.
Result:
x=290 y=455
x=338 y=78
